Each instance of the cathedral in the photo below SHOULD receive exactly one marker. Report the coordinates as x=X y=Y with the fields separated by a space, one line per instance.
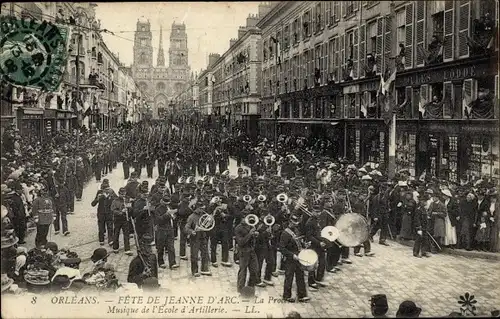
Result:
x=161 y=84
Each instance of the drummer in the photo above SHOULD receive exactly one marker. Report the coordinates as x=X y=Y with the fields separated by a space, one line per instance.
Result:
x=290 y=247
x=313 y=235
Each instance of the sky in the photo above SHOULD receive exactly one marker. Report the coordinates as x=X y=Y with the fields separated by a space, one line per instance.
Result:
x=209 y=26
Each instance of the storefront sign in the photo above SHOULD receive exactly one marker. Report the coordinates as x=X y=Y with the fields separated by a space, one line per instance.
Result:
x=370 y=86
x=351 y=89
x=49 y=114
x=32 y=116
x=33 y=53
x=449 y=74
x=479 y=129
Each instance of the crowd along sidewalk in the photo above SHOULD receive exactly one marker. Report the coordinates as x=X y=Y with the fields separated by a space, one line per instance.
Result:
x=457 y=252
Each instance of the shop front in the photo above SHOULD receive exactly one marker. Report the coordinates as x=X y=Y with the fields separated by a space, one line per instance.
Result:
x=449 y=150
x=366 y=141
x=30 y=122
x=63 y=120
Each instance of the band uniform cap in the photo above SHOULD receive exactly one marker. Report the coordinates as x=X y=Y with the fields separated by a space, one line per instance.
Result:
x=145 y=183
x=366 y=178
x=99 y=254
x=379 y=301
x=122 y=191
x=144 y=189
x=240 y=170
x=408 y=309
x=134 y=174
x=146 y=239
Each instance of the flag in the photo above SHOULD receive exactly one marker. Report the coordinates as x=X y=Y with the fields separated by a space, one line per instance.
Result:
x=421 y=106
x=466 y=104
x=387 y=84
x=277 y=104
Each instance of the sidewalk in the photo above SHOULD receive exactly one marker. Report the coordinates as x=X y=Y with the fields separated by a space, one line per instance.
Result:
x=458 y=252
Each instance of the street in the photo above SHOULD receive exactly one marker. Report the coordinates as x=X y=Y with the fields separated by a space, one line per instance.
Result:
x=435 y=283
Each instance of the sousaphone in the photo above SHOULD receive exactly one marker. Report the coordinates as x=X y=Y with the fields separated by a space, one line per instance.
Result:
x=353 y=229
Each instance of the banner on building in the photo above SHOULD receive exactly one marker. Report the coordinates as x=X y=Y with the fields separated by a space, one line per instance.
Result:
x=33 y=53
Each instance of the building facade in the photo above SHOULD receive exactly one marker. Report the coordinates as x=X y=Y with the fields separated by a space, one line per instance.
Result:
x=160 y=83
x=323 y=62
x=91 y=91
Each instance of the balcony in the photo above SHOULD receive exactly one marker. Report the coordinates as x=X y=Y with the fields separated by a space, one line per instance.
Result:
x=483 y=36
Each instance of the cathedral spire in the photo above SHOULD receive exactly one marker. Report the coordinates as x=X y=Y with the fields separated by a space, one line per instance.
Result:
x=161 y=55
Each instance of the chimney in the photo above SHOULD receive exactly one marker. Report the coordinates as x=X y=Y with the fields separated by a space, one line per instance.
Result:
x=212 y=58
x=232 y=42
x=264 y=8
x=252 y=20
x=241 y=32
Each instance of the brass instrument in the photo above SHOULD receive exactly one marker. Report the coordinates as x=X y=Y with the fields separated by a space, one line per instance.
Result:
x=302 y=207
x=215 y=200
x=181 y=180
x=247 y=198
x=269 y=220
x=251 y=220
x=261 y=198
x=190 y=180
x=205 y=223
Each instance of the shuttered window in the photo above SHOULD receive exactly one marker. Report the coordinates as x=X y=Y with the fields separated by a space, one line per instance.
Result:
x=449 y=31
x=420 y=33
x=379 y=48
x=495 y=100
x=469 y=94
x=324 y=68
x=448 y=100
x=464 y=28
x=328 y=12
x=409 y=36
x=336 y=10
x=387 y=41
x=336 y=58
x=355 y=53
x=331 y=59
x=362 y=50
x=342 y=56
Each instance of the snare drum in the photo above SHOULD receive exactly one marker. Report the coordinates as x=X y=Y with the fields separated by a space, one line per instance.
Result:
x=308 y=259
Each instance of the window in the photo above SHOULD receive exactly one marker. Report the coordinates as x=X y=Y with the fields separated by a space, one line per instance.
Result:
x=306 y=24
x=349 y=7
x=372 y=37
x=264 y=51
x=271 y=46
x=401 y=22
x=318 y=12
x=438 y=24
x=350 y=44
x=286 y=36
x=295 y=31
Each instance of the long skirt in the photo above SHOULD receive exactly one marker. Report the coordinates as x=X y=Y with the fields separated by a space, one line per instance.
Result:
x=450 y=237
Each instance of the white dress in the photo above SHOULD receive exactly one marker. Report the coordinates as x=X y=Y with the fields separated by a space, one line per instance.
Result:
x=450 y=231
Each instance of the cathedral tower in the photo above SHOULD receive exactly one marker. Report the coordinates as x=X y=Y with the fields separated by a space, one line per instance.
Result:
x=178 y=51
x=161 y=56
x=143 y=50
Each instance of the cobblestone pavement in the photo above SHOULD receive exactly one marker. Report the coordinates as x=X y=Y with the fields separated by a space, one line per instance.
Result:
x=435 y=283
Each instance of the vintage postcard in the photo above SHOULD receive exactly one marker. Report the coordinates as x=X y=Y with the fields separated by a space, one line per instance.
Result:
x=285 y=159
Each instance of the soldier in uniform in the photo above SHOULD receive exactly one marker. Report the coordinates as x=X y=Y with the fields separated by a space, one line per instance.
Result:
x=121 y=208
x=162 y=160
x=245 y=236
x=183 y=213
x=198 y=242
x=313 y=235
x=61 y=203
x=103 y=200
x=126 y=159
x=164 y=217
x=141 y=213
x=290 y=247
x=80 y=178
x=43 y=214
x=150 y=163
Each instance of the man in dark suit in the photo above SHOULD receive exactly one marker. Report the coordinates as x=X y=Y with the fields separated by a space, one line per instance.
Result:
x=103 y=200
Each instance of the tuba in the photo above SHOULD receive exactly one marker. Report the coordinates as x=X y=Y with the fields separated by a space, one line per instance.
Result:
x=261 y=198
x=269 y=220
x=247 y=199
x=252 y=220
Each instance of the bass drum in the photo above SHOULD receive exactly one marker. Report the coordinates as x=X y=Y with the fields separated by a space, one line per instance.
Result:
x=353 y=229
x=308 y=259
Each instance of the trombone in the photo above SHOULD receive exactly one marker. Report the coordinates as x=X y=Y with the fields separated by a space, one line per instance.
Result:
x=283 y=198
